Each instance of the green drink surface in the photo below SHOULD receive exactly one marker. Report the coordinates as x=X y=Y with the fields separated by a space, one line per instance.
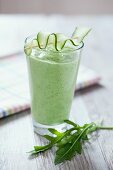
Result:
x=52 y=84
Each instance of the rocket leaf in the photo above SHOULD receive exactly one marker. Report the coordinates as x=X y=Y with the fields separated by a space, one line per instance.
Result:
x=68 y=143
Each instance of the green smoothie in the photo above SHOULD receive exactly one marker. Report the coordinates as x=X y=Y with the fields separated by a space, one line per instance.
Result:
x=52 y=78
x=53 y=61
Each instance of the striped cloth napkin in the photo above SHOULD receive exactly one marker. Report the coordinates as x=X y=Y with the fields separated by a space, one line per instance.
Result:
x=14 y=90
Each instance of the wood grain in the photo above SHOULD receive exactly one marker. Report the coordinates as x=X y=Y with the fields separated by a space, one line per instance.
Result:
x=16 y=132
x=16 y=138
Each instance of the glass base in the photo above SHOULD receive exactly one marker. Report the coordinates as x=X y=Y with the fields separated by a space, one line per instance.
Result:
x=43 y=129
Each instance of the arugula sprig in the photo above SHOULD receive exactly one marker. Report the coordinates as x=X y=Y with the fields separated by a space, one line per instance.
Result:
x=52 y=140
x=68 y=143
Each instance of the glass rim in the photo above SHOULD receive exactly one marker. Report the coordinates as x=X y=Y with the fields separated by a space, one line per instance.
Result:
x=55 y=51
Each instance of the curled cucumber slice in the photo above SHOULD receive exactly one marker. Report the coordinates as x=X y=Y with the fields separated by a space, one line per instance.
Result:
x=57 y=41
x=29 y=46
x=80 y=33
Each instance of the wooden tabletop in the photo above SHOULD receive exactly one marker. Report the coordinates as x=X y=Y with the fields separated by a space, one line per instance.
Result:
x=16 y=132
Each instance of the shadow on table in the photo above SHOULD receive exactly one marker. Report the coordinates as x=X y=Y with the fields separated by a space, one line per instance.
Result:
x=14 y=117
x=89 y=89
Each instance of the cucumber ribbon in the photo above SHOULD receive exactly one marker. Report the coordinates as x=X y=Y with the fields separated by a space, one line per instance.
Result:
x=57 y=41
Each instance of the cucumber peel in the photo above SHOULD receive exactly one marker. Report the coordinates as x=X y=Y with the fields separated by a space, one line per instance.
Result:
x=57 y=41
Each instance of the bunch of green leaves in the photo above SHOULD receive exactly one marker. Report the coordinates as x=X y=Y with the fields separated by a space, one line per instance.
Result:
x=68 y=143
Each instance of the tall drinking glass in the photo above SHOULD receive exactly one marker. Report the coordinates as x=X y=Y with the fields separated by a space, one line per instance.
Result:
x=52 y=79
